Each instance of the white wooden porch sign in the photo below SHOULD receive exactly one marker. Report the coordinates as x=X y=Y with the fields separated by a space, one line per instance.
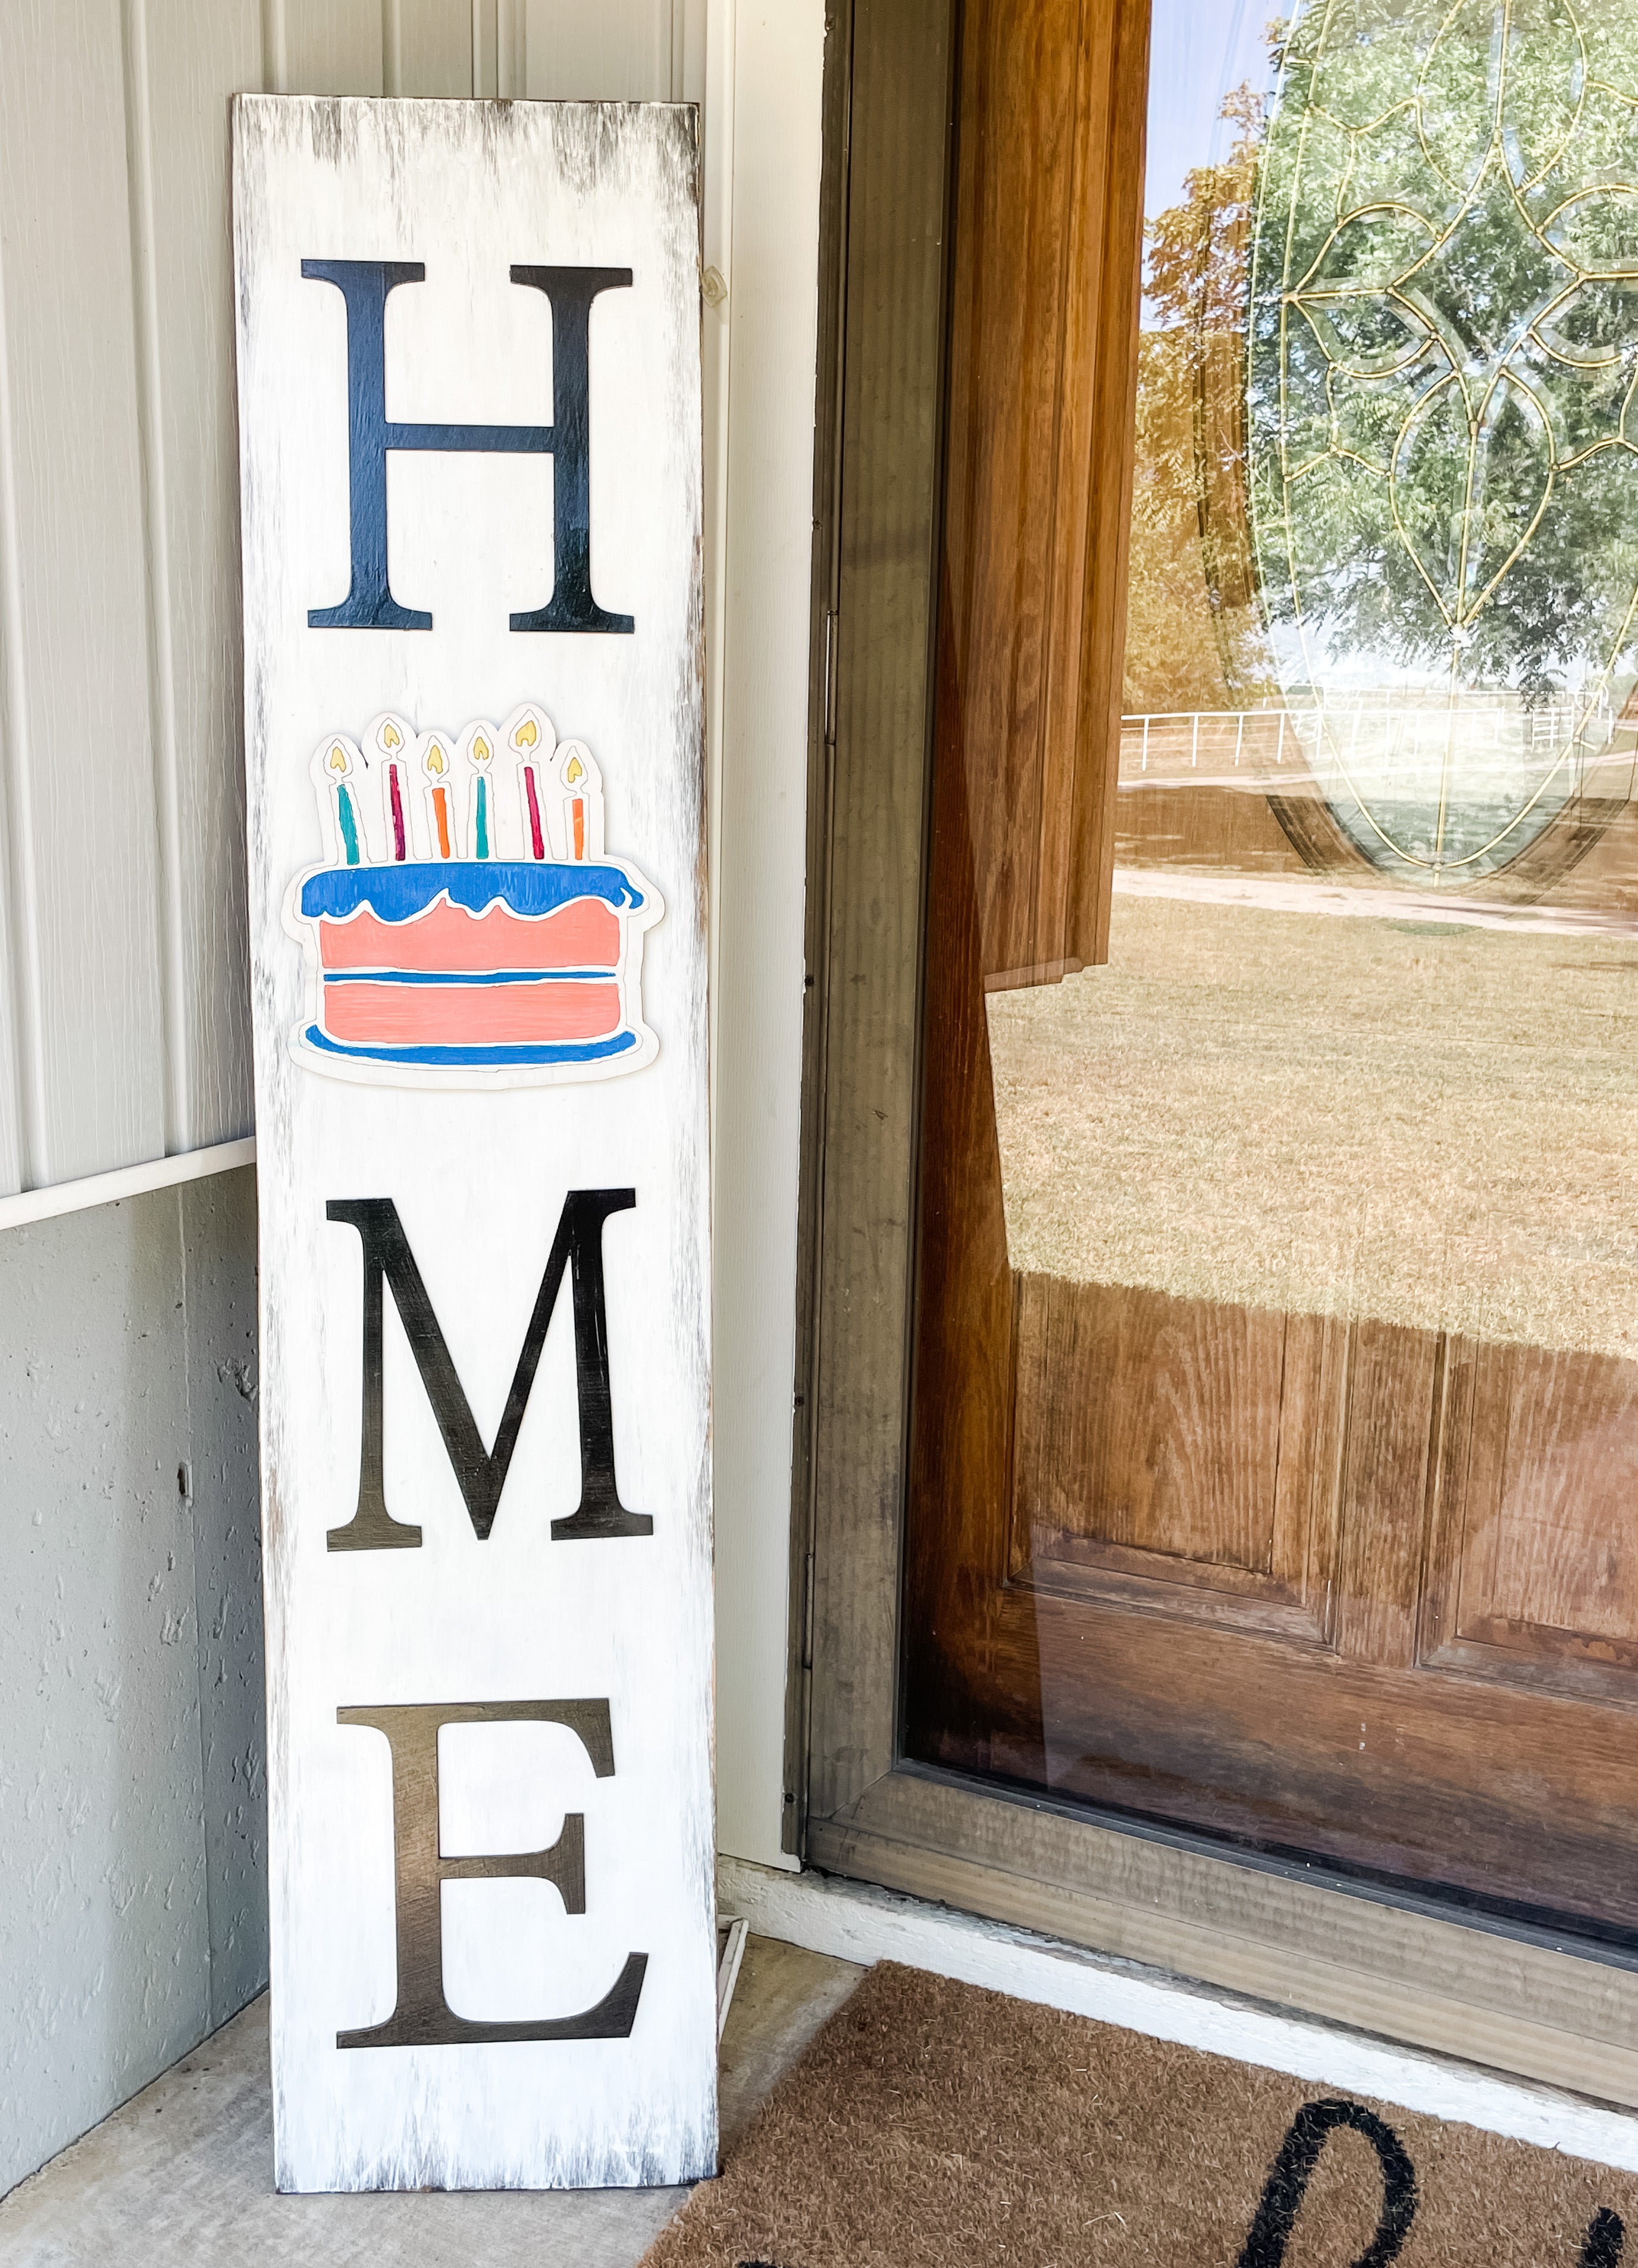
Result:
x=469 y=362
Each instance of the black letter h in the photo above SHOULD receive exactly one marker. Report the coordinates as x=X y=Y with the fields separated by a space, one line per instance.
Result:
x=369 y=604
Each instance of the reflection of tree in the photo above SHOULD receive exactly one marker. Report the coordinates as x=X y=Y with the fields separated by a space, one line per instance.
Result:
x=1443 y=339
x=1193 y=639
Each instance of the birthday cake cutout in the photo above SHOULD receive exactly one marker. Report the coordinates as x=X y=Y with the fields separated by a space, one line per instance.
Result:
x=469 y=927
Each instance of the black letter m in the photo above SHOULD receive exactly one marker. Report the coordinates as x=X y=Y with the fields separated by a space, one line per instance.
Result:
x=482 y=1473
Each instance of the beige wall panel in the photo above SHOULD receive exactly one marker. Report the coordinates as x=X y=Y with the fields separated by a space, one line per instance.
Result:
x=778 y=71
x=332 y=46
x=429 y=46
x=498 y=32
x=80 y=774
x=195 y=58
x=617 y=51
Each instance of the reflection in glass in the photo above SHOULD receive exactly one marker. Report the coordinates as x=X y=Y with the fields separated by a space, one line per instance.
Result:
x=1443 y=337
x=1321 y=1198
x=1364 y=1044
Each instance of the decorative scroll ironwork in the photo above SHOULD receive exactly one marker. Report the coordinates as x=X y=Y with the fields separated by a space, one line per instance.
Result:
x=1441 y=365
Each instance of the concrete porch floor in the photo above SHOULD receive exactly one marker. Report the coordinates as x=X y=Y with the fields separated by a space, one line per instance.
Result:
x=184 y=2171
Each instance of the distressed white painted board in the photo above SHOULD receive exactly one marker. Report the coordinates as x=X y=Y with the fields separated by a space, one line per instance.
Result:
x=479 y=1157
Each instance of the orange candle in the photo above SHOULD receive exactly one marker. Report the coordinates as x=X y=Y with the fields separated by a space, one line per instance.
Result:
x=435 y=765
x=574 y=773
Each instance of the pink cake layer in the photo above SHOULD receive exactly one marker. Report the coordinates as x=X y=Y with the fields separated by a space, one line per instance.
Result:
x=446 y=939
x=470 y=1015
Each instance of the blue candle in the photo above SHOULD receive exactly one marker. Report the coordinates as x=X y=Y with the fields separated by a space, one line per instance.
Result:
x=349 y=823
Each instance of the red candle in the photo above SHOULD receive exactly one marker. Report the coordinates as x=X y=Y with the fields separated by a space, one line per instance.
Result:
x=537 y=840
x=401 y=849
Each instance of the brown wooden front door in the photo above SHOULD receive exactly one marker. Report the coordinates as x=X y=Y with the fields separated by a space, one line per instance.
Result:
x=1274 y=1461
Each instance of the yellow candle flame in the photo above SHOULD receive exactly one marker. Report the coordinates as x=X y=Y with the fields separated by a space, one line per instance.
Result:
x=526 y=734
x=390 y=738
x=338 y=758
x=435 y=758
x=574 y=772
x=480 y=750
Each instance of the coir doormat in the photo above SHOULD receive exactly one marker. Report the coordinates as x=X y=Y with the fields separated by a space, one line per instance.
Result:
x=932 y=2124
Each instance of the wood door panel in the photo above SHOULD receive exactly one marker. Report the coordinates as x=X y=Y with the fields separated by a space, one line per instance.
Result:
x=1302 y=1751
x=1571 y=1460
x=1533 y=1574
x=1177 y=1455
x=1229 y=828
x=1043 y=309
x=1394 y=1378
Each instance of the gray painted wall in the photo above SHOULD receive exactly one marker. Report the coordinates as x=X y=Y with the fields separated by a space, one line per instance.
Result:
x=133 y=1896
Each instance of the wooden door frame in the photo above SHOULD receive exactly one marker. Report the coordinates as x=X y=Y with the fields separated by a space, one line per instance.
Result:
x=1508 y=1994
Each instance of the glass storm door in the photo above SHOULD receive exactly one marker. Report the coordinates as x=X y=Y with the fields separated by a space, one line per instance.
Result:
x=1275 y=1460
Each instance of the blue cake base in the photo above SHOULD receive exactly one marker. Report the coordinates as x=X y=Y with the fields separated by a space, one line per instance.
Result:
x=537 y=1056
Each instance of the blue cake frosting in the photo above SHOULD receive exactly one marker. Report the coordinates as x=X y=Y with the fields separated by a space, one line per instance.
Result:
x=506 y=1058
x=526 y=885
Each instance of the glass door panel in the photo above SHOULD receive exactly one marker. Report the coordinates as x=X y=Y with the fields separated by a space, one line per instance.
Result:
x=1275 y=1443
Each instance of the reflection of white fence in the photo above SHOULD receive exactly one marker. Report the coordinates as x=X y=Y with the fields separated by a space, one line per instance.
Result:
x=1190 y=720
x=1493 y=735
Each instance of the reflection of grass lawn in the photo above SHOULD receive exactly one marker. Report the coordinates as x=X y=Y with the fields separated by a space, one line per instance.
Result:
x=1433 y=1126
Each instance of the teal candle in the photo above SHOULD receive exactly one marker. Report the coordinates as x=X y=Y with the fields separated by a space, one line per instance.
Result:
x=481 y=829
x=349 y=823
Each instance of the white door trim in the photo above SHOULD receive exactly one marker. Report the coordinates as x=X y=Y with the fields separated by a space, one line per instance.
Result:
x=852 y=1922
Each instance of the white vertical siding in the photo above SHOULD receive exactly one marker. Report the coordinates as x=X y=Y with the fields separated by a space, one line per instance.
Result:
x=181 y=62
x=617 y=50
x=124 y=1010
x=87 y=1006
x=334 y=47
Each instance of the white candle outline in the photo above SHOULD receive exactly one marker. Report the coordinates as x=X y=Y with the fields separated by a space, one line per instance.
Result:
x=531 y=738
x=569 y=757
x=393 y=737
x=486 y=770
x=328 y=780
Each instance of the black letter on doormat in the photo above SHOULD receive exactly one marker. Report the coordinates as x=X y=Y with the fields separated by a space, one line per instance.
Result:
x=1289 y=2179
x=482 y=1473
x=1606 y=2234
